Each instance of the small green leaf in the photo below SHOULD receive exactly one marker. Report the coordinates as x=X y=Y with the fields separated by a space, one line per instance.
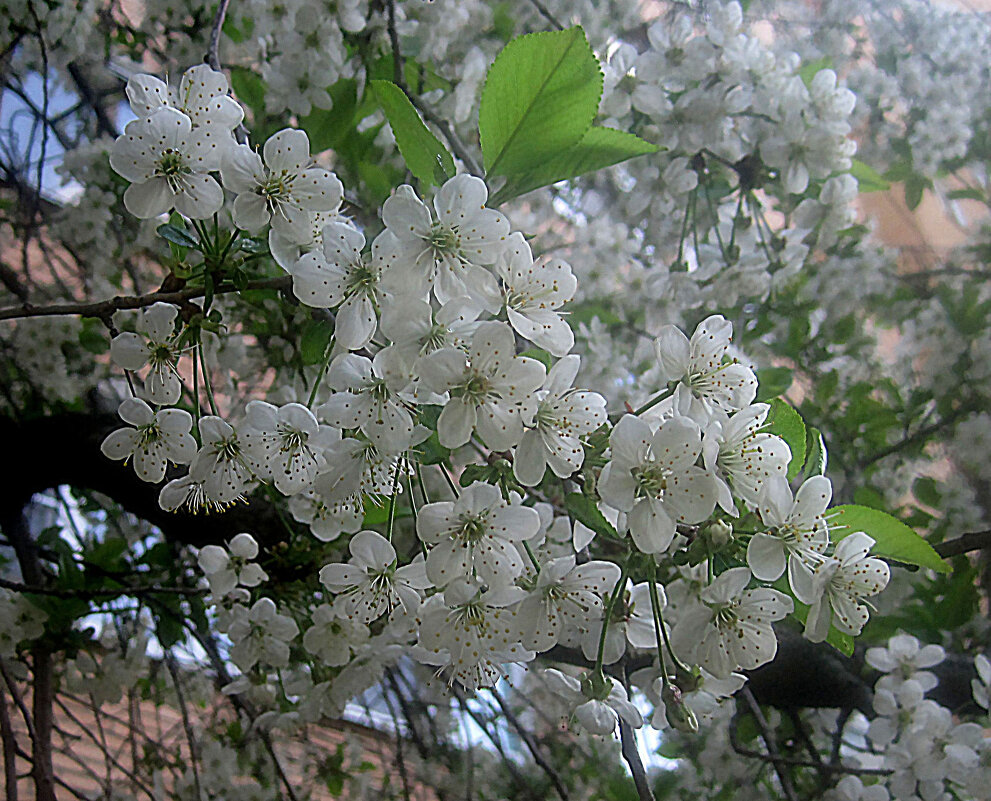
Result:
x=425 y=156
x=597 y=149
x=893 y=539
x=815 y=453
x=540 y=355
x=584 y=509
x=808 y=71
x=540 y=97
x=868 y=179
x=915 y=185
x=772 y=382
x=967 y=194
x=249 y=88
x=314 y=340
x=178 y=236
x=786 y=423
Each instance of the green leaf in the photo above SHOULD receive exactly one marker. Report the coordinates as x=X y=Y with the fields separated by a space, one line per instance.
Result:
x=425 y=156
x=967 y=194
x=249 y=88
x=178 y=236
x=540 y=355
x=329 y=128
x=893 y=539
x=784 y=421
x=597 y=149
x=868 y=179
x=808 y=71
x=314 y=340
x=584 y=509
x=915 y=185
x=540 y=97
x=815 y=453
x=773 y=381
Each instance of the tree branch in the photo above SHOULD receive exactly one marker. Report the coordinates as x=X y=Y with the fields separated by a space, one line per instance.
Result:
x=780 y=766
x=632 y=756
x=973 y=541
x=104 y=309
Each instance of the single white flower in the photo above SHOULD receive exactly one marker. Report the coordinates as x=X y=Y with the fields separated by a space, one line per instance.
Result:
x=368 y=395
x=285 y=444
x=370 y=584
x=260 y=634
x=471 y=633
x=982 y=683
x=168 y=164
x=653 y=477
x=905 y=658
x=489 y=388
x=564 y=597
x=730 y=626
x=840 y=584
x=203 y=95
x=796 y=532
x=230 y=567
x=340 y=276
x=155 y=345
x=562 y=416
x=156 y=439
x=742 y=457
x=475 y=534
x=220 y=463
x=704 y=381
x=332 y=638
x=445 y=254
x=533 y=294
x=283 y=189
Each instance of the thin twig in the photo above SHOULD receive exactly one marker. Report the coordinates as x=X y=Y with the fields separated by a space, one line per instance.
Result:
x=547 y=14
x=780 y=765
x=17 y=586
x=9 y=751
x=213 y=53
x=531 y=745
x=632 y=756
x=104 y=309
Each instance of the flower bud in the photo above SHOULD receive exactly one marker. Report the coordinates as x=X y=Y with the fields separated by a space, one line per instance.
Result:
x=719 y=534
x=678 y=715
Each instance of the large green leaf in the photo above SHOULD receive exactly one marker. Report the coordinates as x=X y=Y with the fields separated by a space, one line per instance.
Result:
x=329 y=128
x=598 y=148
x=788 y=424
x=540 y=97
x=893 y=539
x=816 y=457
x=425 y=156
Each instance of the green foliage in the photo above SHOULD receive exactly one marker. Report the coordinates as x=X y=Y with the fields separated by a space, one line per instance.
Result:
x=330 y=128
x=314 y=340
x=784 y=421
x=868 y=179
x=598 y=148
x=894 y=540
x=584 y=509
x=425 y=156
x=815 y=453
x=772 y=382
x=540 y=97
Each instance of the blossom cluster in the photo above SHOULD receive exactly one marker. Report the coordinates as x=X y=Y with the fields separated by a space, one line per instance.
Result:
x=433 y=324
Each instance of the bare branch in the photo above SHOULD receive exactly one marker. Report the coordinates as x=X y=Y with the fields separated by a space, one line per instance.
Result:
x=767 y=735
x=632 y=756
x=973 y=541
x=104 y=309
x=213 y=54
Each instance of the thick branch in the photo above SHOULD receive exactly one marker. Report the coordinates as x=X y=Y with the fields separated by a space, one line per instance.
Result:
x=974 y=541
x=632 y=756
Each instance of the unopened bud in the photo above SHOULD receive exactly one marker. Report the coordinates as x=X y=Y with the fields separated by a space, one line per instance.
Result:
x=720 y=534
x=678 y=715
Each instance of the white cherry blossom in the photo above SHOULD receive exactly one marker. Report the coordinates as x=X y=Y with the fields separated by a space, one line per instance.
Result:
x=840 y=585
x=370 y=584
x=339 y=276
x=705 y=382
x=475 y=533
x=221 y=463
x=533 y=294
x=563 y=416
x=796 y=533
x=168 y=163
x=730 y=626
x=260 y=634
x=445 y=254
x=156 y=346
x=283 y=189
x=156 y=439
x=231 y=567
x=489 y=388
x=653 y=477
x=203 y=95
x=597 y=710
x=285 y=444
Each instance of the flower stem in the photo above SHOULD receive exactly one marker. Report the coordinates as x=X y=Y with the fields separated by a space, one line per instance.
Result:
x=607 y=616
x=206 y=381
x=662 y=395
x=533 y=557
x=320 y=375
x=400 y=466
